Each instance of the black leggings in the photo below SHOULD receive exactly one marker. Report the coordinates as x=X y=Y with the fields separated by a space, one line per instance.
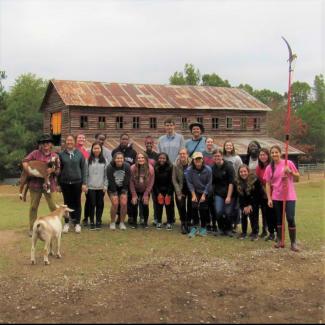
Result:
x=96 y=202
x=290 y=212
x=184 y=207
x=200 y=211
x=253 y=218
x=72 y=198
x=269 y=215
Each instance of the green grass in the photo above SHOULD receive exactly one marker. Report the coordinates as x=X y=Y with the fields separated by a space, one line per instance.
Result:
x=140 y=244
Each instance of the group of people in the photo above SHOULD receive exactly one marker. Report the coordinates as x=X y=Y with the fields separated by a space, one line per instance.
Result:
x=214 y=190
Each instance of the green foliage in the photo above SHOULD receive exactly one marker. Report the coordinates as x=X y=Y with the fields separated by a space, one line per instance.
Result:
x=319 y=89
x=268 y=97
x=300 y=93
x=191 y=76
x=3 y=93
x=20 y=122
x=214 y=80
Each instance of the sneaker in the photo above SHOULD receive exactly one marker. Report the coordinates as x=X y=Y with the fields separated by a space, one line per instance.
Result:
x=77 y=228
x=92 y=226
x=254 y=237
x=154 y=223
x=269 y=237
x=112 y=226
x=202 y=232
x=263 y=234
x=65 y=228
x=183 y=229
x=98 y=226
x=229 y=233
x=193 y=232
x=145 y=226
x=122 y=226
x=242 y=236
x=158 y=226
x=85 y=223
x=209 y=228
x=169 y=226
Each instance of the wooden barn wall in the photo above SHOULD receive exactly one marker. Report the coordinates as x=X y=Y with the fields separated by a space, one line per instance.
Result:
x=54 y=104
x=161 y=114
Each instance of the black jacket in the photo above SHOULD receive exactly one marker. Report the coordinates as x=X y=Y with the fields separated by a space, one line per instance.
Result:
x=253 y=197
x=163 y=180
x=222 y=176
x=129 y=154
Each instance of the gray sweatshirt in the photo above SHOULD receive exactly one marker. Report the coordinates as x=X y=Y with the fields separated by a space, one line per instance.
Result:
x=96 y=175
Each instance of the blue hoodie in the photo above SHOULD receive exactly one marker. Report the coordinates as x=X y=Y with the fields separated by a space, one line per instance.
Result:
x=199 y=181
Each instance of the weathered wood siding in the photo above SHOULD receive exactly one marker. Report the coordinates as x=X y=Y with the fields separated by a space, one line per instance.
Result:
x=110 y=115
x=53 y=103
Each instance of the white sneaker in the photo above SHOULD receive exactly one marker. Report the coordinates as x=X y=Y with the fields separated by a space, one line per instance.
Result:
x=122 y=226
x=65 y=228
x=77 y=229
x=112 y=226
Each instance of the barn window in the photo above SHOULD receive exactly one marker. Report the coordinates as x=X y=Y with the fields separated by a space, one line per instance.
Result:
x=119 y=122
x=136 y=122
x=83 y=122
x=200 y=120
x=229 y=122
x=153 y=123
x=101 y=122
x=257 y=123
x=184 y=123
x=215 y=123
x=243 y=123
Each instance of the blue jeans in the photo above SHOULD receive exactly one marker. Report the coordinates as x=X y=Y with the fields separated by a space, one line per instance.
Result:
x=224 y=212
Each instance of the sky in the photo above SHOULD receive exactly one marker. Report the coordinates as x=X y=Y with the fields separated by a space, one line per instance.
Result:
x=147 y=41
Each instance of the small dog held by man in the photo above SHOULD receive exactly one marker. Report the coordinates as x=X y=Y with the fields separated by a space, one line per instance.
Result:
x=49 y=229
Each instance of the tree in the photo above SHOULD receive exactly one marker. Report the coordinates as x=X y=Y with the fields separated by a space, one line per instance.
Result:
x=268 y=97
x=214 y=80
x=300 y=93
x=20 y=122
x=3 y=93
x=319 y=89
x=191 y=76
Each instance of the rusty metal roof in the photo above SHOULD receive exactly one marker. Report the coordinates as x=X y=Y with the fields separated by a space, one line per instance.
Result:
x=240 y=143
x=102 y=94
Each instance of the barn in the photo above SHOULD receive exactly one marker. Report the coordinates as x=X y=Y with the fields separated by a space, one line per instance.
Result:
x=140 y=109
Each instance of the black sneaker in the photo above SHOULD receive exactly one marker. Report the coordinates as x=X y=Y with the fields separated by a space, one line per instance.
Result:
x=92 y=226
x=85 y=223
x=229 y=233
x=254 y=237
x=134 y=226
x=98 y=226
x=145 y=225
x=269 y=237
x=242 y=236
x=183 y=229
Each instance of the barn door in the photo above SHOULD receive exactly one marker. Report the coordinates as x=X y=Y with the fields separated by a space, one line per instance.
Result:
x=56 y=127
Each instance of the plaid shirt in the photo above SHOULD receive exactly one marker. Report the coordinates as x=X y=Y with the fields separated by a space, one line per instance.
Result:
x=35 y=183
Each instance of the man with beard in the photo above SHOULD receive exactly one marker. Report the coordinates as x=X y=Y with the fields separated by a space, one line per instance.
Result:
x=253 y=151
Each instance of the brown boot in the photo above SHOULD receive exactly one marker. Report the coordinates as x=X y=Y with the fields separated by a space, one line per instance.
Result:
x=279 y=238
x=292 y=234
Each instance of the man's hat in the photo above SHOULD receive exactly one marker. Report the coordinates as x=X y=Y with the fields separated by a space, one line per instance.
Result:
x=197 y=154
x=45 y=138
x=197 y=124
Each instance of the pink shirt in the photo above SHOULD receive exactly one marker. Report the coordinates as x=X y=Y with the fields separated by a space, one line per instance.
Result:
x=276 y=181
x=84 y=152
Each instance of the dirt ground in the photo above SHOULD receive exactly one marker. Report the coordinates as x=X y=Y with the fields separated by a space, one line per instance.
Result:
x=264 y=286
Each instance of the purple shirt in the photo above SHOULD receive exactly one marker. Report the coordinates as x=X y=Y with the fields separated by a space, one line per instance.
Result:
x=35 y=183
